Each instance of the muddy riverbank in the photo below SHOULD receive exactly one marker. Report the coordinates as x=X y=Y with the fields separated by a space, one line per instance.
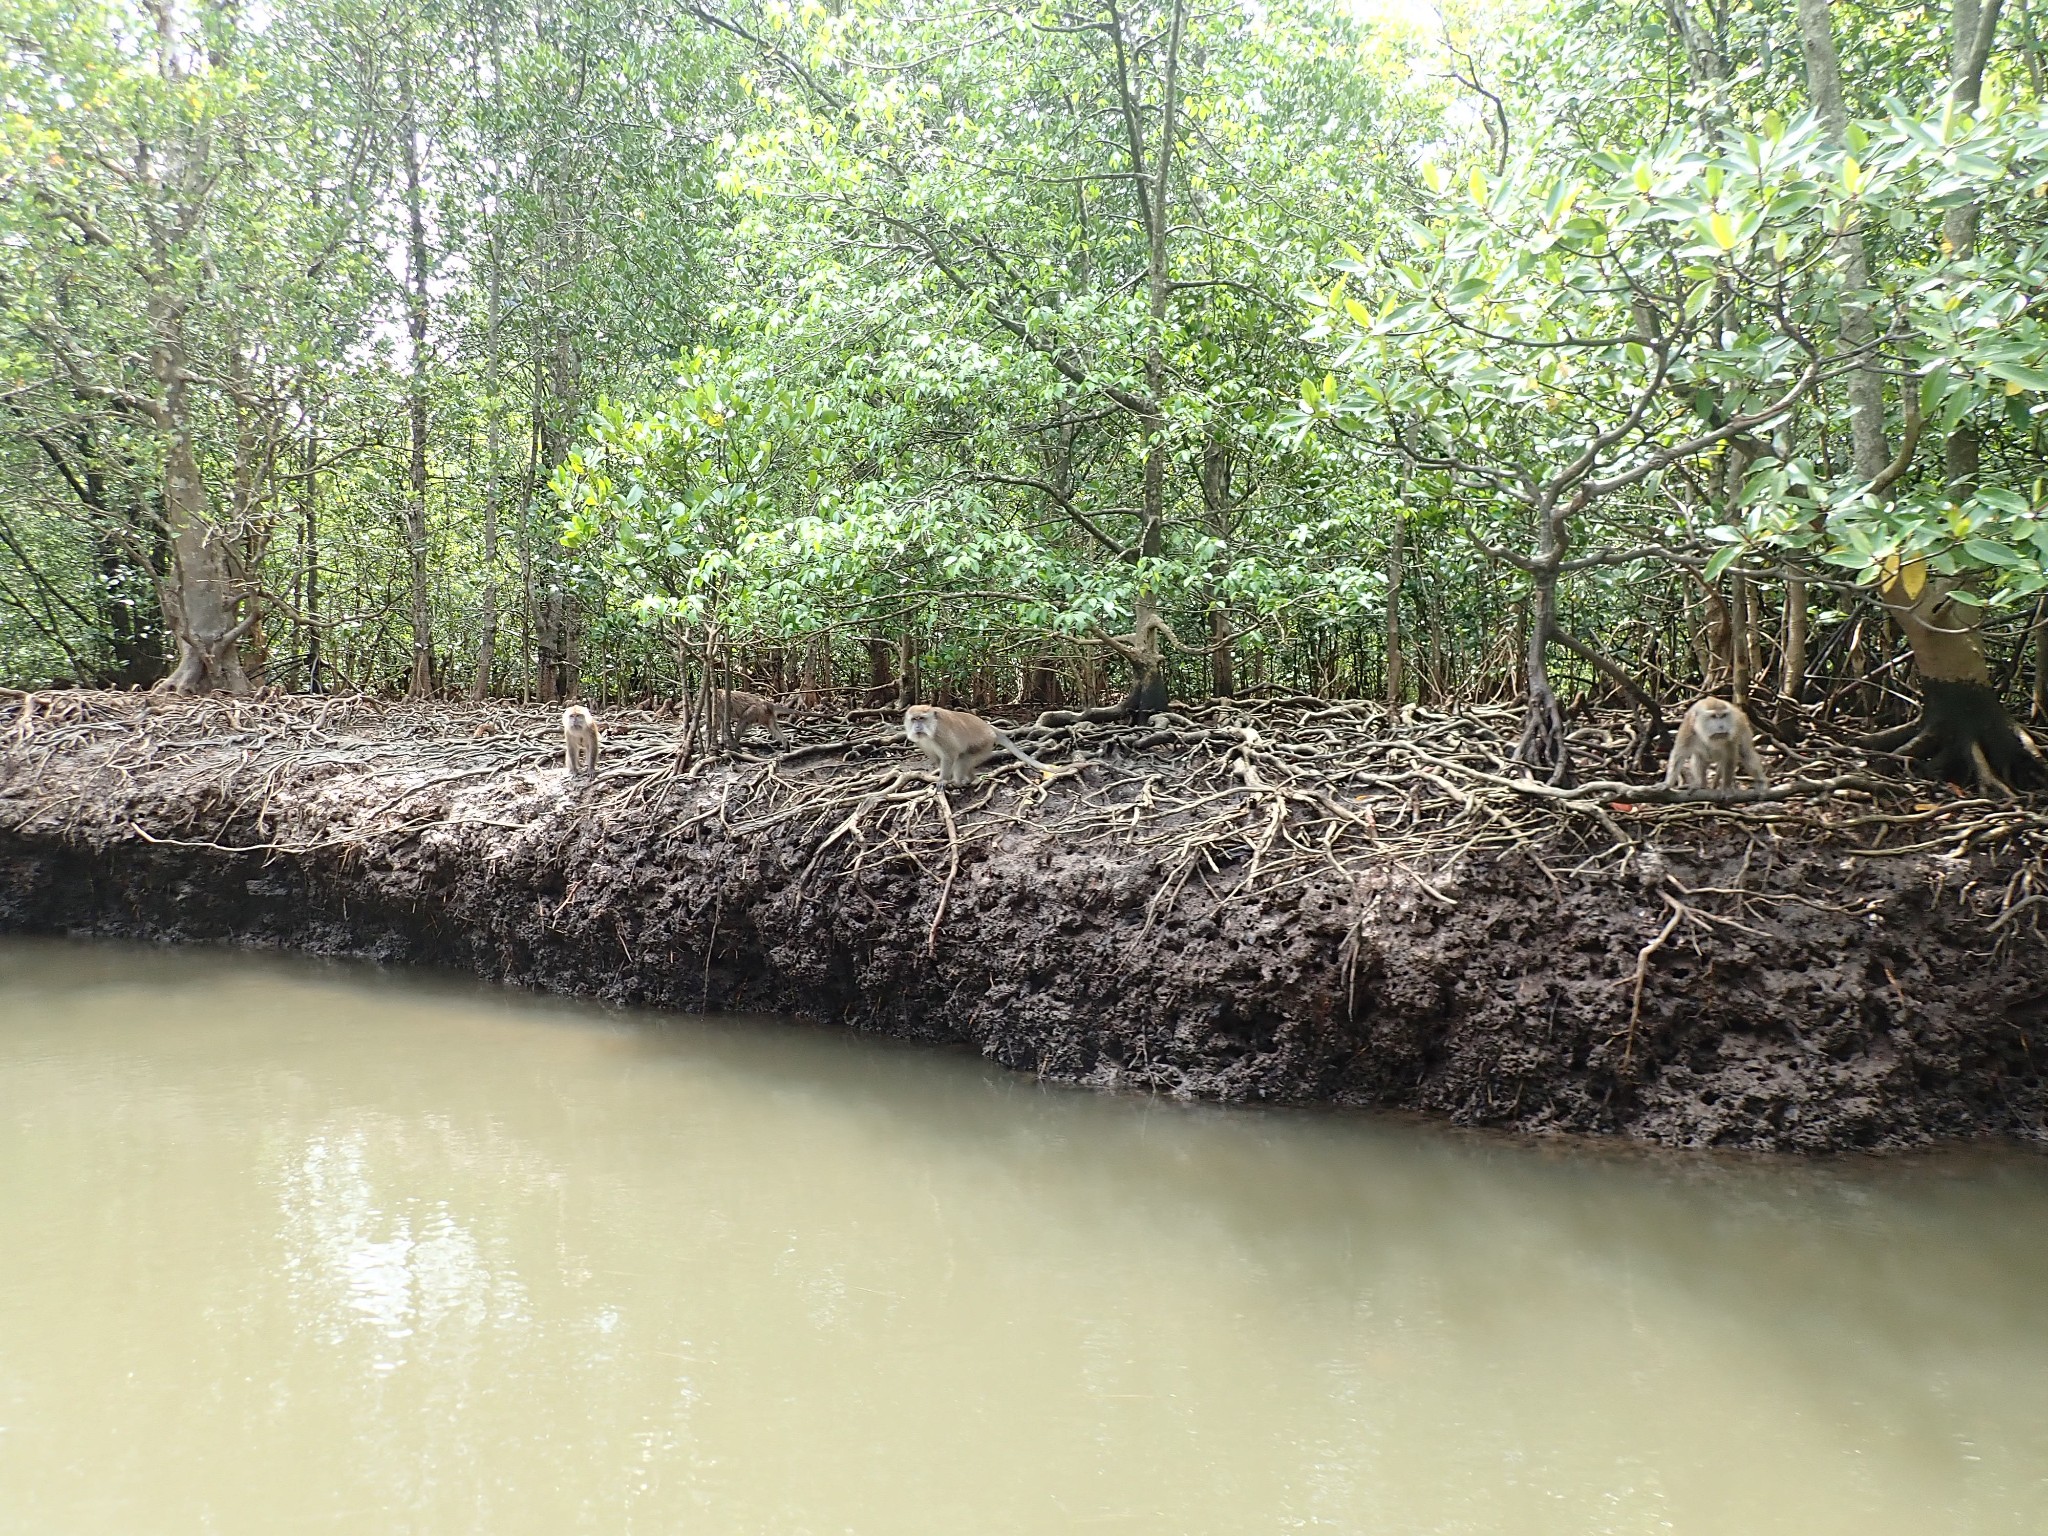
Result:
x=1293 y=904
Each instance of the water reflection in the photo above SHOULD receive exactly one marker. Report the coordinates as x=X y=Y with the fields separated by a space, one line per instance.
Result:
x=333 y=1250
x=352 y=1261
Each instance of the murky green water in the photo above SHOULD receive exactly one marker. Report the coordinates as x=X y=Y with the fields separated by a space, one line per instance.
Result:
x=291 y=1249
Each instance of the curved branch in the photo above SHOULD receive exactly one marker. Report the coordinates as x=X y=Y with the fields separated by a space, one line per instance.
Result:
x=1891 y=474
x=1613 y=672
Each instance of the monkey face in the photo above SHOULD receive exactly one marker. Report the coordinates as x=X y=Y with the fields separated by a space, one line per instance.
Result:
x=920 y=722
x=1714 y=719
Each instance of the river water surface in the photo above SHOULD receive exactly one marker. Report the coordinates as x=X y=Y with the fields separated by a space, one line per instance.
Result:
x=292 y=1248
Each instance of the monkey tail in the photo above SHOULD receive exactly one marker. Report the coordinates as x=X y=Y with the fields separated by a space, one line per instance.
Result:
x=1018 y=752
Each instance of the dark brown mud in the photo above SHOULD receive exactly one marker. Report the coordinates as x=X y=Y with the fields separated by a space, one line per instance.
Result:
x=1808 y=994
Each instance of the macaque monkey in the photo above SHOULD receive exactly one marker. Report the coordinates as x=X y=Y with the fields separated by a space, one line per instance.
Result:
x=1714 y=740
x=741 y=710
x=579 y=741
x=959 y=742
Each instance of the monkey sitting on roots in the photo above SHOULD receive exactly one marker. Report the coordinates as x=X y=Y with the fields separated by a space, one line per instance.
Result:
x=1714 y=740
x=959 y=742
x=579 y=741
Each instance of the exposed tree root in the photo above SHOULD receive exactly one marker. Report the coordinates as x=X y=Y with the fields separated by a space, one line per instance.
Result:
x=1543 y=743
x=1256 y=793
x=1964 y=736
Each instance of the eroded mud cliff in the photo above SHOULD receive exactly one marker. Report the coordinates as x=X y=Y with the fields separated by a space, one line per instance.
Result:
x=1186 y=909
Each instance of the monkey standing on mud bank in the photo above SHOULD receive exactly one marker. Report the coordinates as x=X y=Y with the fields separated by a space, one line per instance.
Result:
x=959 y=742
x=738 y=710
x=1713 y=739
x=579 y=741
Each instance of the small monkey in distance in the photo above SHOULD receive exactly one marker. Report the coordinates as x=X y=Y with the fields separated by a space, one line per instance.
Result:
x=743 y=710
x=959 y=742
x=1714 y=740
x=579 y=741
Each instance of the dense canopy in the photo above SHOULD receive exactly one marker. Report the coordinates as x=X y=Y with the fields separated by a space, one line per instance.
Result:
x=1565 y=352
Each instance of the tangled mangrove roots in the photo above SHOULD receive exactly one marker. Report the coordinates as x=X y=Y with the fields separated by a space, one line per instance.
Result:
x=1281 y=900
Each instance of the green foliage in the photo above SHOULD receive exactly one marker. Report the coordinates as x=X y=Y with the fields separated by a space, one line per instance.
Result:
x=940 y=382
x=816 y=326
